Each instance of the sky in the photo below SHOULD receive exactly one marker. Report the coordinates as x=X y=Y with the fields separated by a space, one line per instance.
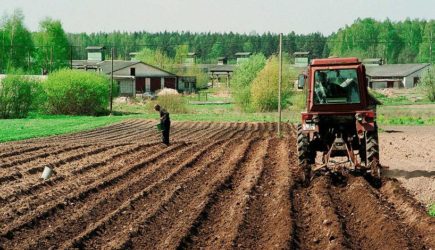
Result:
x=241 y=16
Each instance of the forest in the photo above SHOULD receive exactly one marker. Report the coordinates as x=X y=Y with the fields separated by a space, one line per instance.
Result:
x=51 y=48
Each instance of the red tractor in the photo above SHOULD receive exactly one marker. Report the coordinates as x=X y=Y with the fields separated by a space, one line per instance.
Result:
x=338 y=131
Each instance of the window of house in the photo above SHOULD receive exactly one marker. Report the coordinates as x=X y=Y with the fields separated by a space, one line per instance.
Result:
x=132 y=71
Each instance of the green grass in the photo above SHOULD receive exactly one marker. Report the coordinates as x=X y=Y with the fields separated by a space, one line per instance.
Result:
x=432 y=210
x=402 y=97
x=417 y=114
x=40 y=126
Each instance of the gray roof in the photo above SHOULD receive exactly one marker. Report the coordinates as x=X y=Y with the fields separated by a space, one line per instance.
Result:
x=95 y=47
x=301 y=53
x=243 y=53
x=222 y=68
x=191 y=53
x=83 y=63
x=395 y=70
x=372 y=60
x=106 y=66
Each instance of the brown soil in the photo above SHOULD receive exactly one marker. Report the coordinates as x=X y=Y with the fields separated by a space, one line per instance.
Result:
x=218 y=185
x=409 y=153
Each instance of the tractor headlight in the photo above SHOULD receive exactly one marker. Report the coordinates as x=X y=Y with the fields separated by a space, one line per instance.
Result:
x=316 y=119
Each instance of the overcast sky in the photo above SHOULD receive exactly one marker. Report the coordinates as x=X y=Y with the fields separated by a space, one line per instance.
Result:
x=243 y=16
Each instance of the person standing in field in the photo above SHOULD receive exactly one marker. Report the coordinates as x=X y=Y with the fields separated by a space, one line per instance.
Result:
x=165 y=123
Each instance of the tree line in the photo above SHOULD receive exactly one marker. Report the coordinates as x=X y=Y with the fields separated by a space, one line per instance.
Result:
x=51 y=48
x=407 y=41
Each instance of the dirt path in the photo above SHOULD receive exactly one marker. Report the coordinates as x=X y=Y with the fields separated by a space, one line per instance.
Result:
x=219 y=185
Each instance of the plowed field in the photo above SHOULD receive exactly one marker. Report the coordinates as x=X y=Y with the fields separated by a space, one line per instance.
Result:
x=218 y=186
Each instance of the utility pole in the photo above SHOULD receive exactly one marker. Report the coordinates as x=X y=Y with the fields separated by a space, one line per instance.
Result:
x=279 y=84
x=51 y=58
x=111 y=83
x=28 y=61
x=430 y=47
x=70 y=56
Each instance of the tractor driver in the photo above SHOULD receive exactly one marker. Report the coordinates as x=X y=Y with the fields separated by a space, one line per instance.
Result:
x=320 y=87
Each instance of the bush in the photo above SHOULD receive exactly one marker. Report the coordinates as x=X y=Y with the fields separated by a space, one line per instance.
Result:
x=201 y=77
x=170 y=100
x=298 y=100
x=18 y=95
x=428 y=83
x=242 y=79
x=73 y=92
x=264 y=91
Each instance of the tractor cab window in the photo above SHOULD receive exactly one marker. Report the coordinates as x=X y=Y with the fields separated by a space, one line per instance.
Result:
x=339 y=86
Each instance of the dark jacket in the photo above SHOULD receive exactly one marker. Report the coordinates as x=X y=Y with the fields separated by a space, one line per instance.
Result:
x=165 y=121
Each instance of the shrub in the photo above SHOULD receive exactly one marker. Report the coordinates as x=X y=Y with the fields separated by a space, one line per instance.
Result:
x=18 y=95
x=428 y=83
x=264 y=91
x=170 y=100
x=73 y=92
x=298 y=100
x=242 y=78
x=202 y=77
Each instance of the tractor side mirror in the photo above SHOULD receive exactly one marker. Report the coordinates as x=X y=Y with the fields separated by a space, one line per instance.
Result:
x=301 y=81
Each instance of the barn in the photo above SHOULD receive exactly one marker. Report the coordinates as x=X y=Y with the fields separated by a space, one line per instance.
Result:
x=133 y=77
x=395 y=75
x=138 y=77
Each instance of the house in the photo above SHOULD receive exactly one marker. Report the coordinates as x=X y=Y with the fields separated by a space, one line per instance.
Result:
x=133 y=77
x=242 y=56
x=302 y=59
x=222 y=60
x=190 y=58
x=370 y=62
x=395 y=75
x=221 y=70
x=136 y=77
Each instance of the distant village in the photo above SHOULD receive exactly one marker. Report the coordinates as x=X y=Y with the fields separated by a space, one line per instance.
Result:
x=136 y=77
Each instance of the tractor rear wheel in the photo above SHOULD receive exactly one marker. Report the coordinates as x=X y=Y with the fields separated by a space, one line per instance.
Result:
x=372 y=152
x=304 y=153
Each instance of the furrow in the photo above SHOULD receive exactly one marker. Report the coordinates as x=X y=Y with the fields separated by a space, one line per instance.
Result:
x=128 y=125
x=217 y=224
x=162 y=184
x=165 y=225
x=122 y=176
x=96 y=167
x=58 y=162
x=19 y=151
x=411 y=212
x=318 y=226
x=268 y=221
x=368 y=221
x=85 y=135
x=43 y=154
x=134 y=164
